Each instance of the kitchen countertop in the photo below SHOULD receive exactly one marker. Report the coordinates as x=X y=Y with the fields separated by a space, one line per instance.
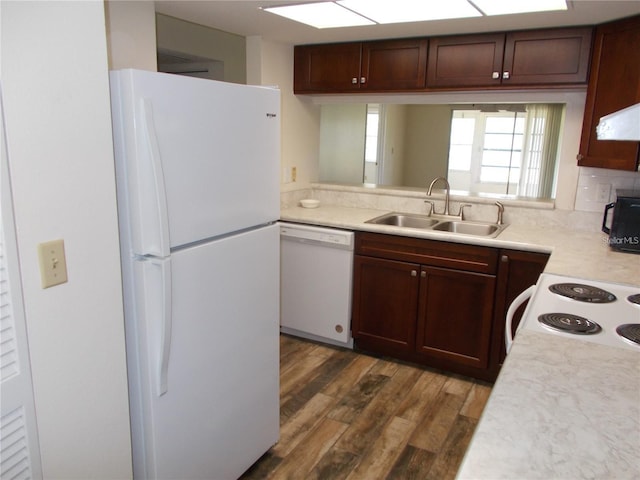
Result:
x=577 y=254
x=561 y=408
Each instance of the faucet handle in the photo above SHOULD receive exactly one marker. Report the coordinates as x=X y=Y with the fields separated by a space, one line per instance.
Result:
x=462 y=207
x=500 y=212
x=431 y=206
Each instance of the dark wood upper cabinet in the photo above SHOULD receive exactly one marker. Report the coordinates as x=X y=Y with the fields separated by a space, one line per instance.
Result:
x=465 y=60
x=534 y=58
x=614 y=83
x=388 y=65
x=394 y=65
x=526 y=58
x=556 y=56
x=326 y=68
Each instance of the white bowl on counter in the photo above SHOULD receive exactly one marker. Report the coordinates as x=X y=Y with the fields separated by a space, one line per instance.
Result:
x=310 y=203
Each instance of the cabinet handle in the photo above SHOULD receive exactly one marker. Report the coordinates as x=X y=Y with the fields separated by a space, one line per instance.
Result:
x=505 y=75
x=495 y=75
x=504 y=258
x=354 y=81
x=414 y=273
x=579 y=156
x=423 y=274
x=363 y=80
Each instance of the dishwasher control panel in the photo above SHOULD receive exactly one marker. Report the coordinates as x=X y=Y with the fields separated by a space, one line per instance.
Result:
x=303 y=233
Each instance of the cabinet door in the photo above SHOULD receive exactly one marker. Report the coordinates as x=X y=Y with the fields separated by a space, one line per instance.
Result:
x=394 y=65
x=455 y=316
x=326 y=68
x=547 y=57
x=517 y=271
x=465 y=61
x=614 y=83
x=385 y=297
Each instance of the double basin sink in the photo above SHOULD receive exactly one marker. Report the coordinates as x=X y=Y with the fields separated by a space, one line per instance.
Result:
x=464 y=227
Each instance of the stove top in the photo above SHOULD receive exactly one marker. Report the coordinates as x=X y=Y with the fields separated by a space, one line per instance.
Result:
x=599 y=312
x=566 y=322
x=582 y=293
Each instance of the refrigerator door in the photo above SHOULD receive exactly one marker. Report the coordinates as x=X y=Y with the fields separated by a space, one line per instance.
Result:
x=209 y=398
x=197 y=158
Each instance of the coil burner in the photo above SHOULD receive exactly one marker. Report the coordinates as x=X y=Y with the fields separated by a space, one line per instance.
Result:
x=634 y=298
x=630 y=332
x=582 y=293
x=566 y=322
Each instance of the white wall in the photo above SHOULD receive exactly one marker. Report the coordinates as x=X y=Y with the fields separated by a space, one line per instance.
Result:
x=131 y=34
x=342 y=143
x=425 y=156
x=180 y=36
x=271 y=63
x=55 y=85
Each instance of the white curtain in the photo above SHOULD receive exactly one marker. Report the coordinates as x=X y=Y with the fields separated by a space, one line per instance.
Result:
x=540 y=150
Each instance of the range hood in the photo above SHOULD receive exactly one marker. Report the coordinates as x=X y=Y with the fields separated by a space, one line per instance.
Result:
x=621 y=125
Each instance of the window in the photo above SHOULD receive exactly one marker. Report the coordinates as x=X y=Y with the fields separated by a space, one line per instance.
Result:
x=372 y=142
x=371 y=135
x=501 y=151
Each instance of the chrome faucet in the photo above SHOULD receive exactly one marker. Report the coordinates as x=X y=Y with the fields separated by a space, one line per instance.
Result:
x=500 y=212
x=446 y=194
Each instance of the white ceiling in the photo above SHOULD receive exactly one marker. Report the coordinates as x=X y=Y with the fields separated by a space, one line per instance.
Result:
x=243 y=17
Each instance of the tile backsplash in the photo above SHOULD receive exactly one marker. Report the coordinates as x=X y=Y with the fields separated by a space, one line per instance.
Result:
x=597 y=187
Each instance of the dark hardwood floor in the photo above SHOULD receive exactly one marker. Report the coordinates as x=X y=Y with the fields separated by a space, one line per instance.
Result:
x=353 y=416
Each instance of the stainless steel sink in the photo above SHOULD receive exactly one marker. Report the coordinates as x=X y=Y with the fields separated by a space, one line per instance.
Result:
x=404 y=220
x=463 y=227
x=469 y=228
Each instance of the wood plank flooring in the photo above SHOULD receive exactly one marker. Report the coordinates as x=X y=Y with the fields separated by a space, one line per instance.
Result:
x=345 y=415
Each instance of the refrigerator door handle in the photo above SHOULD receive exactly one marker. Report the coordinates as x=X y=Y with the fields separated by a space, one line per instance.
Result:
x=158 y=279
x=159 y=194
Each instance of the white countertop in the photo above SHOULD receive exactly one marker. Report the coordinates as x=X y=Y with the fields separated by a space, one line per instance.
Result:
x=560 y=408
x=577 y=254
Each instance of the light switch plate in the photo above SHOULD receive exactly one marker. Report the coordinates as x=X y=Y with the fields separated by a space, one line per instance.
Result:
x=53 y=265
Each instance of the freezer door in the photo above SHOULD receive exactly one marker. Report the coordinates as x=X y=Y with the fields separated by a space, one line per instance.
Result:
x=214 y=410
x=195 y=158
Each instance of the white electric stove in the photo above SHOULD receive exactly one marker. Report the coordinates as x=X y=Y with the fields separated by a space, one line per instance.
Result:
x=593 y=311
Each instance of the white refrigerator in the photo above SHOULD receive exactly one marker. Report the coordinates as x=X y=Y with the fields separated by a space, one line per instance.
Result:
x=197 y=166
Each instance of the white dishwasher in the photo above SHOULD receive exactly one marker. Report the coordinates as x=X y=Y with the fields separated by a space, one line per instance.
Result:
x=316 y=276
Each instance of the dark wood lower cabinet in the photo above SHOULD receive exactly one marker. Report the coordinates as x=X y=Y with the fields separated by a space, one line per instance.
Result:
x=455 y=314
x=517 y=271
x=437 y=303
x=385 y=299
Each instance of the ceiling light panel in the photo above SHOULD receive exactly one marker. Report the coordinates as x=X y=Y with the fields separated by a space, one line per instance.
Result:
x=505 y=7
x=399 y=11
x=321 y=15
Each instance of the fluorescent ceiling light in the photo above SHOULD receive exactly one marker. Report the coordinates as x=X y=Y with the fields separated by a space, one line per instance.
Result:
x=351 y=13
x=400 y=11
x=505 y=7
x=321 y=15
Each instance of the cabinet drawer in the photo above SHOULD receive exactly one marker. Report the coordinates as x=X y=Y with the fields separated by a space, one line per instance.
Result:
x=459 y=256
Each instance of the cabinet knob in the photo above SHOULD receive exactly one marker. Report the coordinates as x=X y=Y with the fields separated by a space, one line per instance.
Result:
x=579 y=156
x=506 y=75
x=354 y=81
x=363 y=80
x=504 y=258
x=414 y=273
x=423 y=274
x=495 y=75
